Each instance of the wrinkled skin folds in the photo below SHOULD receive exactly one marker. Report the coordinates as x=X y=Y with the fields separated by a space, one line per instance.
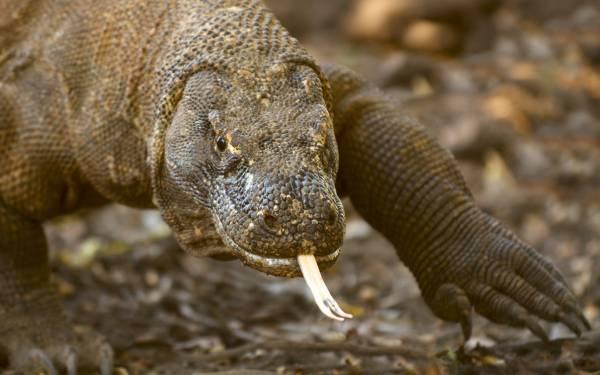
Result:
x=211 y=112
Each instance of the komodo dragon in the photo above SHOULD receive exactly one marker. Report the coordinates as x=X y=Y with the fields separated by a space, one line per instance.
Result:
x=212 y=112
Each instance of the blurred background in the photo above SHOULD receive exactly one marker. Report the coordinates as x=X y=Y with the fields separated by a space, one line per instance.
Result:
x=511 y=87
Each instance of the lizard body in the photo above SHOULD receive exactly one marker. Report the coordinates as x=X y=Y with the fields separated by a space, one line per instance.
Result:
x=211 y=112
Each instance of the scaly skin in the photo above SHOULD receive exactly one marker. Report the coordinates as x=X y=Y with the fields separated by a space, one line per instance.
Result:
x=212 y=113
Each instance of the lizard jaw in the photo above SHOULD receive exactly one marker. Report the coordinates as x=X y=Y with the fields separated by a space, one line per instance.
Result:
x=274 y=266
x=285 y=267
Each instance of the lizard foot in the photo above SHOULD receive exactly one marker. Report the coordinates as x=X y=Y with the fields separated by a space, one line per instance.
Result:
x=508 y=282
x=56 y=348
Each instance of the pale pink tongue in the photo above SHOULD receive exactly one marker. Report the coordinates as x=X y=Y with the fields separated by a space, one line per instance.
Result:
x=312 y=275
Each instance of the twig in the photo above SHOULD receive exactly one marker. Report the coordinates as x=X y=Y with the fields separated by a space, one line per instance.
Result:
x=287 y=346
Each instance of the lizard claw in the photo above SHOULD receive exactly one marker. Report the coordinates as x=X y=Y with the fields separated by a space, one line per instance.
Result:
x=584 y=320
x=534 y=326
x=467 y=327
x=106 y=359
x=57 y=348
x=38 y=360
x=451 y=303
x=43 y=360
x=571 y=321
x=574 y=310
x=71 y=361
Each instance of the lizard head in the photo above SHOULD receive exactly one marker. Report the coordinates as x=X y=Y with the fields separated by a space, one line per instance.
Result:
x=256 y=150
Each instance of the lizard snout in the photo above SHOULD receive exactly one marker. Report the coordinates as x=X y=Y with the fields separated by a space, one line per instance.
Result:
x=289 y=215
x=325 y=215
x=290 y=228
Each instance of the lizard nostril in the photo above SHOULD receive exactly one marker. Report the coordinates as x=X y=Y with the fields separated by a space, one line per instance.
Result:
x=270 y=221
x=331 y=215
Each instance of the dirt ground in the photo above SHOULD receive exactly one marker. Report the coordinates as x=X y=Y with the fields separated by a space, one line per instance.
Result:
x=511 y=87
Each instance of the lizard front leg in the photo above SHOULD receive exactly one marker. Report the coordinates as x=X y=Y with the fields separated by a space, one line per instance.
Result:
x=409 y=188
x=35 y=332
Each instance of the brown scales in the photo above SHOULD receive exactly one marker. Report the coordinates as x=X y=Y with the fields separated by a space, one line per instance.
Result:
x=131 y=101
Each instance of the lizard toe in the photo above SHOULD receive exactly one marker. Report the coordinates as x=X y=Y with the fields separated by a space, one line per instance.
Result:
x=538 y=286
x=58 y=358
x=71 y=361
x=106 y=359
x=536 y=302
x=63 y=350
x=451 y=303
x=526 y=255
x=94 y=351
x=34 y=360
x=502 y=309
x=572 y=321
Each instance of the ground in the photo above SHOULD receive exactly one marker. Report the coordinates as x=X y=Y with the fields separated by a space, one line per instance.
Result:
x=511 y=87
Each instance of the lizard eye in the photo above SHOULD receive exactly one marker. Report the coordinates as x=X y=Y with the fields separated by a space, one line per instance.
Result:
x=221 y=143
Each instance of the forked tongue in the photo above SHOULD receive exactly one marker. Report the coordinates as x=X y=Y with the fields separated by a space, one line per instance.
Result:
x=312 y=275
